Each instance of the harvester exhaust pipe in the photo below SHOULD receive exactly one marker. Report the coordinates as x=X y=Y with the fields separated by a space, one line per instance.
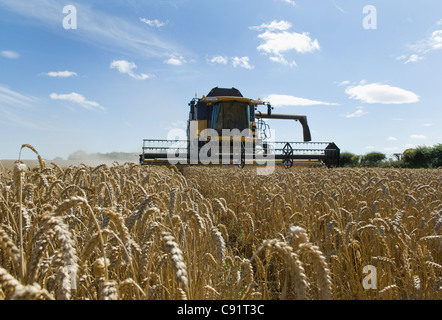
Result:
x=301 y=118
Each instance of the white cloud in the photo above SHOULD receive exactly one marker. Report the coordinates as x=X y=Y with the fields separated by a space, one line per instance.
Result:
x=21 y=111
x=78 y=99
x=12 y=98
x=281 y=42
x=422 y=47
x=337 y=6
x=127 y=67
x=436 y=40
x=381 y=93
x=242 y=62
x=98 y=27
x=391 y=149
x=219 y=59
x=280 y=100
x=358 y=113
x=273 y=26
x=369 y=147
x=433 y=42
x=278 y=41
x=61 y=74
x=414 y=58
x=282 y=60
x=23 y=120
x=175 y=61
x=9 y=54
x=154 y=23
x=418 y=136
x=343 y=83
x=427 y=124
x=391 y=138
x=292 y=2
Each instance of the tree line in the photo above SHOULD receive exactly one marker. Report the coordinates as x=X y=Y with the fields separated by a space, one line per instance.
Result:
x=419 y=157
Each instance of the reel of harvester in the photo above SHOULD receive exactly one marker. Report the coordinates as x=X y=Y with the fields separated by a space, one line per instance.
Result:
x=287 y=153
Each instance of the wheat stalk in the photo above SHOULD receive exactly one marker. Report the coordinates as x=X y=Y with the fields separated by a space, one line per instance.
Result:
x=19 y=172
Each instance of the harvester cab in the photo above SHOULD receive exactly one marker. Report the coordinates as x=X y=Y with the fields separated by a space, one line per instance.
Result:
x=226 y=128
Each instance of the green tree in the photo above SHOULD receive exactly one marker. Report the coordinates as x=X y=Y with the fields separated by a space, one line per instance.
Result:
x=349 y=159
x=436 y=155
x=372 y=159
x=408 y=157
x=420 y=157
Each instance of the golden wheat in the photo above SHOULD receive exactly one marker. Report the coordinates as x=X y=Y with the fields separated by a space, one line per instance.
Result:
x=151 y=232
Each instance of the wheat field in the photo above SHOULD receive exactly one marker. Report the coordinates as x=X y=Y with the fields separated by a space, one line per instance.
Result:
x=127 y=231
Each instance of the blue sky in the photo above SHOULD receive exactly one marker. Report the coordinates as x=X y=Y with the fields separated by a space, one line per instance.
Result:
x=129 y=68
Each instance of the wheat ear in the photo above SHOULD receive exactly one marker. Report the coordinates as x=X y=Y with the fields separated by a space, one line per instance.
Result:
x=108 y=290
x=176 y=256
x=321 y=268
x=293 y=263
x=220 y=244
x=10 y=248
x=14 y=290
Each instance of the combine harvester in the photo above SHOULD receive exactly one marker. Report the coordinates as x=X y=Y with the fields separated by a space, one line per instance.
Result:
x=226 y=128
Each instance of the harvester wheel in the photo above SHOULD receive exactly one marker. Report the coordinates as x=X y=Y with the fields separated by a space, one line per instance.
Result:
x=288 y=163
x=288 y=152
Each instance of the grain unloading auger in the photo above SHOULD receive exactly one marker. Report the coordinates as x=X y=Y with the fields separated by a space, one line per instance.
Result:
x=226 y=128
